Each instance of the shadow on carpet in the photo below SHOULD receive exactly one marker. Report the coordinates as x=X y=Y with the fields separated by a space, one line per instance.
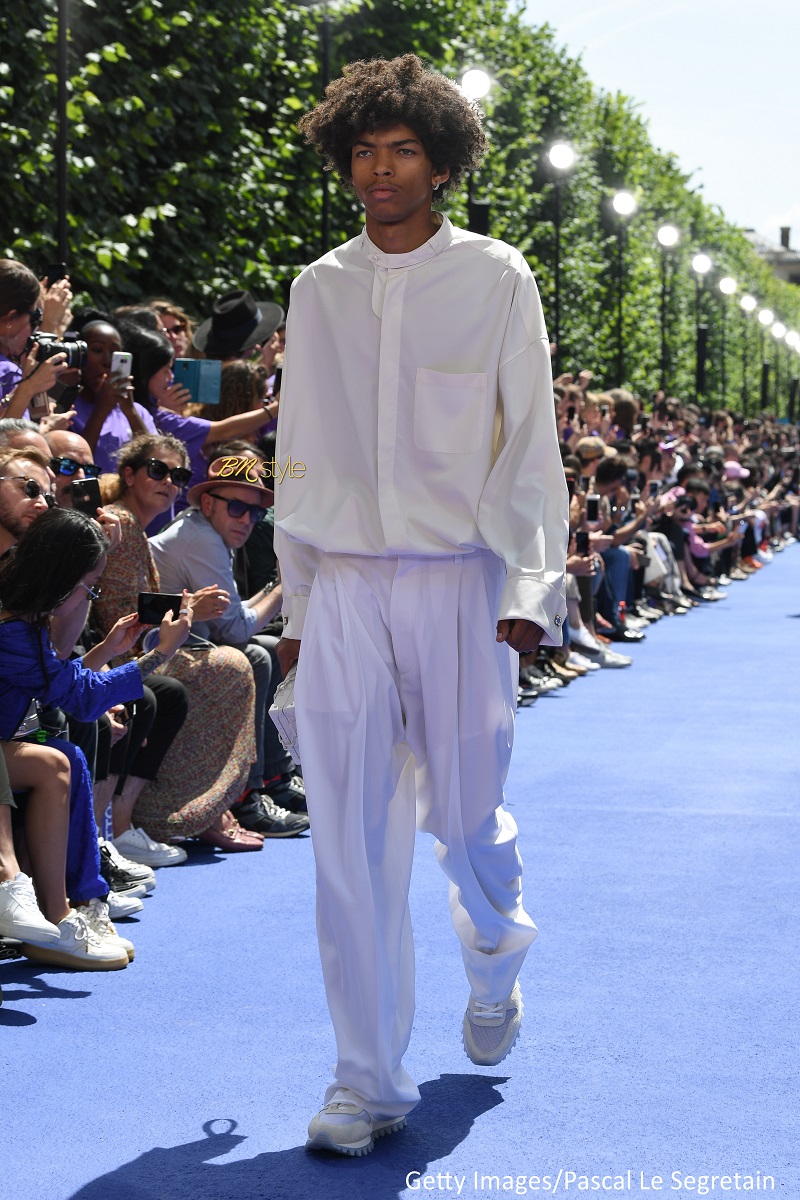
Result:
x=448 y=1108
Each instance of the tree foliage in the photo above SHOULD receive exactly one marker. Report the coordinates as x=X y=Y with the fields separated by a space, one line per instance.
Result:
x=187 y=175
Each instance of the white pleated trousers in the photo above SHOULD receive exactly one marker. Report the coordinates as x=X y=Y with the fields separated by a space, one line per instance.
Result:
x=403 y=694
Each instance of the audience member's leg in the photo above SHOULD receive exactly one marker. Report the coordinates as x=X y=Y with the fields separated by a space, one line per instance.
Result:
x=171 y=706
x=45 y=773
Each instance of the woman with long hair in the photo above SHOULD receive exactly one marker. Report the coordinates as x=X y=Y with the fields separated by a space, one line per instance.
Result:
x=22 y=374
x=206 y=768
x=52 y=572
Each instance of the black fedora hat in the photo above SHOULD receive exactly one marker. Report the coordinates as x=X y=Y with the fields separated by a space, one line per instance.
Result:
x=238 y=323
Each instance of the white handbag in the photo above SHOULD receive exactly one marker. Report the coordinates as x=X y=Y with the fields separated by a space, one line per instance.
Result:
x=283 y=715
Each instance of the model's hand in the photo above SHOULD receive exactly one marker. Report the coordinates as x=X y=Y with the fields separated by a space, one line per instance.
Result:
x=521 y=635
x=288 y=652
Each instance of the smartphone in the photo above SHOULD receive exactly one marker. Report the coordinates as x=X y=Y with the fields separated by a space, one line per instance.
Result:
x=593 y=508
x=632 y=475
x=121 y=361
x=277 y=381
x=582 y=543
x=152 y=607
x=53 y=272
x=585 y=481
x=571 y=413
x=201 y=376
x=653 y=487
x=86 y=496
x=604 y=411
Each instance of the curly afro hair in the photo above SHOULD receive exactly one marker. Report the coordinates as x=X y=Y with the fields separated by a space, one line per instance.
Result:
x=376 y=94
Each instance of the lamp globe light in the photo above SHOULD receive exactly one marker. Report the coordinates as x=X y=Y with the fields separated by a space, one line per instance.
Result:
x=727 y=285
x=561 y=156
x=766 y=316
x=702 y=264
x=624 y=204
x=476 y=83
x=748 y=303
x=668 y=236
x=778 y=329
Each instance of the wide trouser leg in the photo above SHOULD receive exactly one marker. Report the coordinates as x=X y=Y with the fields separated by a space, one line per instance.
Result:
x=359 y=783
x=458 y=690
x=399 y=656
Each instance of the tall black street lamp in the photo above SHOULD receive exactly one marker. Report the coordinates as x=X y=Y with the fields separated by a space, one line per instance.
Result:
x=62 y=136
x=778 y=331
x=624 y=205
x=748 y=305
x=766 y=316
x=668 y=237
x=476 y=85
x=727 y=285
x=701 y=265
x=561 y=157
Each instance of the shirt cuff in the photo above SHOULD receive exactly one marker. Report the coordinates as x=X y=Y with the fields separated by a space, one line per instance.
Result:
x=532 y=600
x=294 y=616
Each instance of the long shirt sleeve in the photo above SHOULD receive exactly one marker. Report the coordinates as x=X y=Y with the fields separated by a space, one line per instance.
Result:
x=31 y=670
x=417 y=398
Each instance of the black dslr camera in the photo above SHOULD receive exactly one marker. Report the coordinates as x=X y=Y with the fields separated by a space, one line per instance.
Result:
x=49 y=345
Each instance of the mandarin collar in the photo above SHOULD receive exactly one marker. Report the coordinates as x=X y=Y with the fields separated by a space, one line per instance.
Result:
x=414 y=258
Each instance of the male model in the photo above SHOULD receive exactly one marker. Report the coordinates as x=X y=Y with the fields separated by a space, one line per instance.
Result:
x=424 y=543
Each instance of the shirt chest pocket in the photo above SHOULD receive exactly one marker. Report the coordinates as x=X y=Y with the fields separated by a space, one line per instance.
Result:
x=449 y=411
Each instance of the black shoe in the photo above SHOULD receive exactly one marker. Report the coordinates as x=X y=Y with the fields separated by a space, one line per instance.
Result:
x=259 y=812
x=625 y=635
x=289 y=792
x=123 y=880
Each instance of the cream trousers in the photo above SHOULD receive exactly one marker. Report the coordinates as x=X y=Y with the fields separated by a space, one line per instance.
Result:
x=403 y=694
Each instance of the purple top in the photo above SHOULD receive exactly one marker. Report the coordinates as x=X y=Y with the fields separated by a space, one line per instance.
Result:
x=115 y=432
x=10 y=375
x=192 y=431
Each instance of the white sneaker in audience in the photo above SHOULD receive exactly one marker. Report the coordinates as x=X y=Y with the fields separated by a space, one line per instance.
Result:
x=19 y=913
x=122 y=905
x=95 y=913
x=580 y=660
x=78 y=947
x=136 y=845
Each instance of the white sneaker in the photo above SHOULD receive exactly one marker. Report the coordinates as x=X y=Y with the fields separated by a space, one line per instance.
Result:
x=490 y=1030
x=580 y=660
x=581 y=638
x=137 y=846
x=78 y=947
x=348 y=1129
x=19 y=913
x=95 y=914
x=610 y=658
x=120 y=904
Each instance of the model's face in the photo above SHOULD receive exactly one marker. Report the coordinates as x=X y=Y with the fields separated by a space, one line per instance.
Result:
x=392 y=175
x=18 y=510
x=234 y=531
x=101 y=342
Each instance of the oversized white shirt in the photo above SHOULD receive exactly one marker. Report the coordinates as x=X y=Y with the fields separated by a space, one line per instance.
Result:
x=417 y=392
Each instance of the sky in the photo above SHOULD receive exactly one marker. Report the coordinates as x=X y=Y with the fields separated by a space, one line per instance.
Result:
x=718 y=82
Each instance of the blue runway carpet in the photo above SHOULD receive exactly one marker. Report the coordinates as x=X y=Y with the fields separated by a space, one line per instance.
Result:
x=658 y=810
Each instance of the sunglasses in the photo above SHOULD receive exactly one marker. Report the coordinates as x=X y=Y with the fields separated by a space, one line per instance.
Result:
x=69 y=466
x=94 y=593
x=32 y=489
x=179 y=328
x=35 y=315
x=156 y=469
x=238 y=508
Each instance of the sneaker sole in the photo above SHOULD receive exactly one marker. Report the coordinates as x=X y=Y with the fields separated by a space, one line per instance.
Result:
x=56 y=958
x=324 y=1141
x=136 y=890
